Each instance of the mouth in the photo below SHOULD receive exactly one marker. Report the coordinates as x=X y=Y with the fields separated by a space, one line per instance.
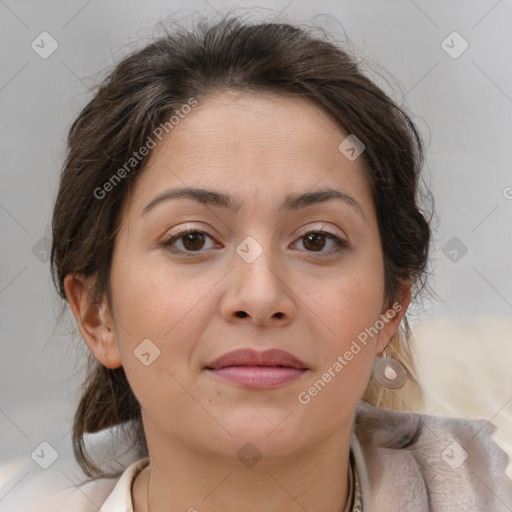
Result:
x=251 y=369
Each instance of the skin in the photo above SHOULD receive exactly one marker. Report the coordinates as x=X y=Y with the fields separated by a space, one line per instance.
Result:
x=258 y=148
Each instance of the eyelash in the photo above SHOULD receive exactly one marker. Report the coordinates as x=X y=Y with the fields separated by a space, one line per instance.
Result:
x=340 y=245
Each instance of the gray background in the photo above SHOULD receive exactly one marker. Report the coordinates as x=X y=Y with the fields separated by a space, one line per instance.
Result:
x=463 y=107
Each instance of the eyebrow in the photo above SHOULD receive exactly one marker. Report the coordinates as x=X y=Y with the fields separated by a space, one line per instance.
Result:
x=222 y=200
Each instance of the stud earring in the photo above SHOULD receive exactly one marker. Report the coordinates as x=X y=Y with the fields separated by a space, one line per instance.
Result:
x=388 y=371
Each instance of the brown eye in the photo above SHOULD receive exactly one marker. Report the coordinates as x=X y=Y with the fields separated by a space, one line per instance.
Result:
x=193 y=241
x=316 y=241
x=190 y=241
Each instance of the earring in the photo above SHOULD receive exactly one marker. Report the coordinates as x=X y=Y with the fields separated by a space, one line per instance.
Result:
x=388 y=371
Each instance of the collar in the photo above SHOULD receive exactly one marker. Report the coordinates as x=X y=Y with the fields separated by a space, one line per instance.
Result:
x=120 y=499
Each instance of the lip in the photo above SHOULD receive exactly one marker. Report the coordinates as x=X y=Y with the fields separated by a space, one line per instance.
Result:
x=250 y=357
x=252 y=369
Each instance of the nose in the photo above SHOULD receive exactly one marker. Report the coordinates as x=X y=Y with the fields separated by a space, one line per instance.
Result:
x=260 y=292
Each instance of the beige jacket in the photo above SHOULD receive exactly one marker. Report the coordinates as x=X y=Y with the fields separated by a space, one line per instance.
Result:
x=451 y=465
x=454 y=466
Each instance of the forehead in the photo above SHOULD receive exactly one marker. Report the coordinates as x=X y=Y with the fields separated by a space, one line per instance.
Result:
x=252 y=145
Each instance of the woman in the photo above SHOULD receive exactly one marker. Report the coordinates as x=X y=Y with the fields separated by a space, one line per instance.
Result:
x=238 y=235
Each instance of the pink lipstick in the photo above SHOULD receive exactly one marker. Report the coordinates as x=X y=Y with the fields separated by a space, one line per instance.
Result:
x=251 y=369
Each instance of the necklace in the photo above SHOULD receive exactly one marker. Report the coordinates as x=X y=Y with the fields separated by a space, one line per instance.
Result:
x=147 y=488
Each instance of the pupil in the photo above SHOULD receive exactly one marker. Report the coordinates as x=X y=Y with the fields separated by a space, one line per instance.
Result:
x=316 y=239
x=196 y=239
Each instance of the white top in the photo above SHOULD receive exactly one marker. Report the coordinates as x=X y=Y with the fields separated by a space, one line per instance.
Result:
x=120 y=499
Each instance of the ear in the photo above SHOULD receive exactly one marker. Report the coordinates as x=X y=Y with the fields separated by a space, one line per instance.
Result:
x=391 y=316
x=93 y=320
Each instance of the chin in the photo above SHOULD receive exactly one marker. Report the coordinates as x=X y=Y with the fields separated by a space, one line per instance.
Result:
x=274 y=432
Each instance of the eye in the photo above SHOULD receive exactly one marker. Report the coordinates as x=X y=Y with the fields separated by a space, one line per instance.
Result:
x=192 y=240
x=315 y=241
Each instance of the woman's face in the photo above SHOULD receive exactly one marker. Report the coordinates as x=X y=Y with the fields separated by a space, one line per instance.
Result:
x=250 y=277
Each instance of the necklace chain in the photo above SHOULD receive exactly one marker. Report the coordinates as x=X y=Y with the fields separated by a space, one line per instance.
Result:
x=147 y=489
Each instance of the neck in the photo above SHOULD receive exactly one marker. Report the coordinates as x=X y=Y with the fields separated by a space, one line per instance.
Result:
x=313 y=481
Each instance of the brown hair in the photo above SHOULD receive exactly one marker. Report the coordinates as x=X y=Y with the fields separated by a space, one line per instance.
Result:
x=145 y=88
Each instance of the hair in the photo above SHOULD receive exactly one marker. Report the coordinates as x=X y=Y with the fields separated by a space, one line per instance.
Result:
x=140 y=94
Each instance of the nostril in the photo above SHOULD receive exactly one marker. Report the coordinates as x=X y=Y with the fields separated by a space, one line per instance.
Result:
x=241 y=314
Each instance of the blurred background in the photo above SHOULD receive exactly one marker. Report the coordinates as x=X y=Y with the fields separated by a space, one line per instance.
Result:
x=447 y=62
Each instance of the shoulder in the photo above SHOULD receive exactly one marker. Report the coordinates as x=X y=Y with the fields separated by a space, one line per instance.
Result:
x=53 y=492
x=63 y=486
x=105 y=494
x=448 y=462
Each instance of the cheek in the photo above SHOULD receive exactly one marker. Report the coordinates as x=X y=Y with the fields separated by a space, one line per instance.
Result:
x=156 y=302
x=350 y=303
x=348 y=310
x=156 y=323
